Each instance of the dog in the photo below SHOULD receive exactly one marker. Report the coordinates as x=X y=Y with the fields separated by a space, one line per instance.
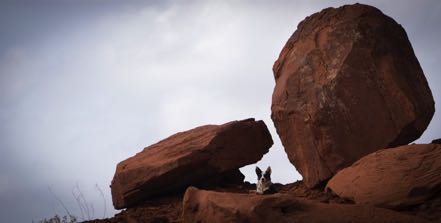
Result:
x=264 y=184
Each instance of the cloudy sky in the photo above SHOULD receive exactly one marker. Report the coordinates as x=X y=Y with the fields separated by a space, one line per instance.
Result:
x=86 y=84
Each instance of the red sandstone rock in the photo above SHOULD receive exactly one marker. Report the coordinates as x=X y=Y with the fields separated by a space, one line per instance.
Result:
x=189 y=158
x=347 y=84
x=221 y=207
x=436 y=141
x=393 y=178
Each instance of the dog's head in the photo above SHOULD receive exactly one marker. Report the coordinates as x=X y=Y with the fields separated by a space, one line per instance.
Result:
x=263 y=180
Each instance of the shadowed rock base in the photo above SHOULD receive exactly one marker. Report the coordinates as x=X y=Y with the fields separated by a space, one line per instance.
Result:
x=220 y=207
x=306 y=203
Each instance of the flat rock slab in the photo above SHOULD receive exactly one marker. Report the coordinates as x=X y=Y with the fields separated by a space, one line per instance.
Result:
x=347 y=84
x=189 y=158
x=393 y=178
x=222 y=207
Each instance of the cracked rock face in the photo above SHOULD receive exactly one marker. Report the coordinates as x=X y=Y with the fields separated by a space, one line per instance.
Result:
x=393 y=178
x=193 y=157
x=347 y=84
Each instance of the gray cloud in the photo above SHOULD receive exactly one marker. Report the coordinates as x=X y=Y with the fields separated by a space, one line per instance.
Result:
x=85 y=86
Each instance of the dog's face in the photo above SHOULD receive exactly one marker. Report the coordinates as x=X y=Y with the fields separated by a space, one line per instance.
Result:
x=263 y=180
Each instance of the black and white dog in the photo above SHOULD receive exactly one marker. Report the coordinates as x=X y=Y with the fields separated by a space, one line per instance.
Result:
x=264 y=184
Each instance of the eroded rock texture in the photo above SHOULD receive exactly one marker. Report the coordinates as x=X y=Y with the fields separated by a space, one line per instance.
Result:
x=223 y=207
x=347 y=84
x=192 y=157
x=394 y=178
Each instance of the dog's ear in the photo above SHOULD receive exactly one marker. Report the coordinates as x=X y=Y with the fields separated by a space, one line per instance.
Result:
x=267 y=173
x=258 y=172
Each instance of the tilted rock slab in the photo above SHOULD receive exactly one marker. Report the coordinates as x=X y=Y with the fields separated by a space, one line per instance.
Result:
x=347 y=84
x=223 y=207
x=393 y=178
x=189 y=158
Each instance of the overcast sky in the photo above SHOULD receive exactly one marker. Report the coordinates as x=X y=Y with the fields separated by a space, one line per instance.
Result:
x=86 y=84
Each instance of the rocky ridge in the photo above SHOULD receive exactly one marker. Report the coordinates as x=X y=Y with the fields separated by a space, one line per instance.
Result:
x=349 y=96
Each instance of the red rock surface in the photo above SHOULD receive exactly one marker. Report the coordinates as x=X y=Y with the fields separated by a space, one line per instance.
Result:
x=430 y=209
x=436 y=141
x=166 y=209
x=213 y=207
x=169 y=208
x=347 y=84
x=189 y=158
x=393 y=178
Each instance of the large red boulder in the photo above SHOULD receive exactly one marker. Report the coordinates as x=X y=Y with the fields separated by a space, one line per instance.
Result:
x=347 y=84
x=393 y=178
x=224 y=207
x=188 y=158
